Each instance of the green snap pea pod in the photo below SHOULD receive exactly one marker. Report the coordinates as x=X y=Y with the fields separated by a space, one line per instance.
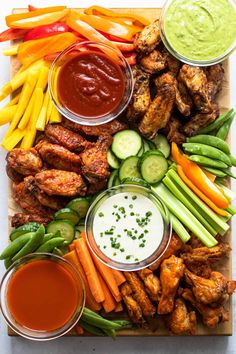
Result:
x=228 y=172
x=50 y=244
x=206 y=161
x=7 y=262
x=47 y=237
x=110 y=333
x=215 y=171
x=217 y=123
x=210 y=140
x=224 y=129
x=233 y=160
x=99 y=321
x=208 y=151
x=57 y=252
x=90 y=328
x=32 y=244
x=16 y=245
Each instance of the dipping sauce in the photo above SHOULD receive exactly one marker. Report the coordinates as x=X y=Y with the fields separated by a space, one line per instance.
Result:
x=200 y=29
x=128 y=227
x=42 y=295
x=90 y=84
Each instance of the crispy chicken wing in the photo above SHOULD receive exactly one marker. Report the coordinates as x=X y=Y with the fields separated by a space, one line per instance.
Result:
x=59 y=157
x=215 y=74
x=108 y=128
x=148 y=38
x=172 y=270
x=173 y=64
x=94 y=160
x=139 y=293
x=134 y=310
x=21 y=219
x=172 y=131
x=63 y=183
x=181 y=321
x=151 y=282
x=183 y=100
x=173 y=248
x=211 y=317
x=153 y=62
x=24 y=161
x=13 y=174
x=194 y=78
x=97 y=187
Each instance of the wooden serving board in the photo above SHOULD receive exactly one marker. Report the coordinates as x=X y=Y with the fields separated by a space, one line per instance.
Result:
x=224 y=329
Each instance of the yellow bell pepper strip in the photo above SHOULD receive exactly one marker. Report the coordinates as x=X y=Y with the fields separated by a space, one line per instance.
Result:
x=39 y=17
x=19 y=79
x=99 y=10
x=197 y=191
x=31 y=51
x=42 y=118
x=13 y=139
x=199 y=179
x=13 y=101
x=49 y=110
x=11 y=50
x=5 y=91
x=7 y=114
x=55 y=116
x=110 y=27
x=12 y=33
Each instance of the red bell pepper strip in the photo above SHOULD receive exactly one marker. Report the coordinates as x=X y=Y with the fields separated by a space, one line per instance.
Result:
x=130 y=58
x=32 y=8
x=12 y=33
x=46 y=31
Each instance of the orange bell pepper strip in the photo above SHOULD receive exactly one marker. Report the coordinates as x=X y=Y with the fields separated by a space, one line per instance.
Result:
x=116 y=29
x=210 y=176
x=199 y=193
x=33 y=50
x=44 y=16
x=99 y=10
x=199 y=179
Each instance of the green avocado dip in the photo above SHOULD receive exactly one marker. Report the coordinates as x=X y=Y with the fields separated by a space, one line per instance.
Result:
x=200 y=30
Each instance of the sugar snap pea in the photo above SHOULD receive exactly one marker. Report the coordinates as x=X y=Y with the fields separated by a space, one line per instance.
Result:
x=16 y=245
x=50 y=235
x=50 y=244
x=208 y=151
x=206 y=161
x=91 y=329
x=233 y=160
x=99 y=321
x=218 y=122
x=210 y=140
x=57 y=252
x=32 y=244
x=228 y=172
x=224 y=129
x=7 y=262
x=215 y=172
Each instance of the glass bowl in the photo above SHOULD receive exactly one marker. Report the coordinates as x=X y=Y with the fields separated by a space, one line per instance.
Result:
x=36 y=334
x=183 y=58
x=91 y=239
x=66 y=55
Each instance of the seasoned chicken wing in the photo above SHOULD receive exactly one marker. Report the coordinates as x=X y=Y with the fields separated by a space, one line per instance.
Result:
x=172 y=131
x=63 y=183
x=94 y=160
x=152 y=283
x=134 y=310
x=108 y=128
x=21 y=219
x=24 y=161
x=148 y=38
x=183 y=100
x=211 y=317
x=173 y=64
x=13 y=174
x=153 y=62
x=181 y=321
x=202 y=254
x=194 y=78
x=97 y=187
x=59 y=157
x=172 y=270
x=139 y=293
x=215 y=74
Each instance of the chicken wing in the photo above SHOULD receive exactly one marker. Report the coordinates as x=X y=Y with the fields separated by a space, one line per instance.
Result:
x=59 y=157
x=202 y=254
x=134 y=310
x=211 y=317
x=173 y=133
x=97 y=187
x=172 y=270
x=148 y=38
x=215 y=75
x=153 y=62
x=173 y=64
x=152 y=283
x=208 y=291
x=24 y=161
x=181 y=321
x=21 y=219
x=194 y=78
x=139 y=293
x=183 y=100
x=13 y=174
x=173 y=248
x=94 y=160
x=108 y=128
x=63 y=183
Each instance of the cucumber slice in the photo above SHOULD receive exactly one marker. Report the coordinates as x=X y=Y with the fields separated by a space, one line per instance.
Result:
x=66 y=228
x=146 y=146
x=112 y=160
x=162 y=144
x=80 y=205
x=116 y=181
x=113 y=175
x=153 y=167
x=129 y=168
x=24 y=229
x=134 y=180
x=126 y=143
x=152 y=146
x=141 y=151
x=67 y=214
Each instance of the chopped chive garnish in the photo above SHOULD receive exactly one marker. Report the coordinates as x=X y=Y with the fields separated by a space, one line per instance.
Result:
x=134 y=197
x=128 y=257
x=100 y=214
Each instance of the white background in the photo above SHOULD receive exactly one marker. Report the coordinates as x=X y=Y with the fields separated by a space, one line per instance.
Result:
x=176 y=345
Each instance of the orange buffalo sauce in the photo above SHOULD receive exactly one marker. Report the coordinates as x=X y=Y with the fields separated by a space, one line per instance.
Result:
x=42 y=295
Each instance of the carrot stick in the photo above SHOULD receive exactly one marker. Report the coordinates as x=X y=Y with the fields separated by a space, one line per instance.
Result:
x=90 y=301
x=109 y=304
x=119 y=277
x=119 y=307
x=90 y=270
x=72 y=246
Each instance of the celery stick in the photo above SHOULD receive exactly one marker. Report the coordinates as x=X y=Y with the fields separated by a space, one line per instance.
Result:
x=184 y=215
x=177 y=192
x=231 y=209
x=179 y=229
x=217 y=223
